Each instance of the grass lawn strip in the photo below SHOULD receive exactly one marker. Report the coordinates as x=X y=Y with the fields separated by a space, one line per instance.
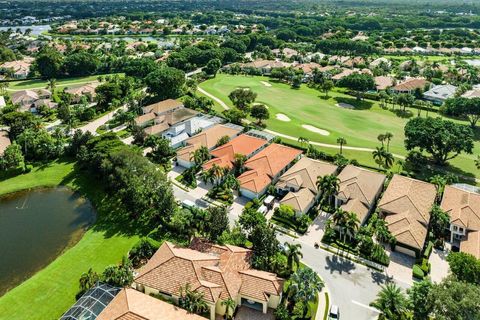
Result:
x=51 y=291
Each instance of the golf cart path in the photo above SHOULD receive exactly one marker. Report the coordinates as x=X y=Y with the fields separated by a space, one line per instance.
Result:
x=320 y=144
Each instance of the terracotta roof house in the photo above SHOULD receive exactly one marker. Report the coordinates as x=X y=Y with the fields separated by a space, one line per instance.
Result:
x=308 y=68
x=207 y=138
x=265 y=168
x=27 y=98
x=298 y=184
x=464 y=210
x=383 y=82
x=224 y=156
x=265 y=66
x=470 y=94
x=410 y=85
x=219 y=272
x=406 y=206
x=130 y=304
x=4 y=141
x=358 y=190
x=163 y=107
x=145 y=119
x=19 y=68
x=87 y=90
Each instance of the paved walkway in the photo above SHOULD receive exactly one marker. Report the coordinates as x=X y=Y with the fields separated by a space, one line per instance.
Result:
x=439 y=263
x=400 y=267
x=211 y=96
x=95 y=124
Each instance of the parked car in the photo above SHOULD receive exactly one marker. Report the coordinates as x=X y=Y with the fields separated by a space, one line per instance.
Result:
x=334 y=313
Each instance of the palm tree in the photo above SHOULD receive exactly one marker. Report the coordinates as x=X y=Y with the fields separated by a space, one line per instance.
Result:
x=229 y=307
x=440 y=182
x=88 y=280
x=391 y=302
x=200 y=155
x=341 y=141
x=351 y=225
x=293 y=253
x=381 y=138
x=383 y=158
x=328 y=185
x=381 y=231
x=388 y=160
x=388 y=136
x=303 y=141
x=217 y=172
x=339 y=218
x=192 y=301
x=238 y=163
x=207 y=176
x=308 y=284
x=52 y=83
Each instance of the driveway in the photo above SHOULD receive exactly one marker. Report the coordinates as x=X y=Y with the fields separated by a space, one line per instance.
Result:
x=352 y=286
x=400 y=267
x=315 y=232
x=439 y=263
x=246 y=313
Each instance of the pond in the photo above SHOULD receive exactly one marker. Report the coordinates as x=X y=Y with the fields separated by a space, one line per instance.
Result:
x=36 y=226
x=36 y=29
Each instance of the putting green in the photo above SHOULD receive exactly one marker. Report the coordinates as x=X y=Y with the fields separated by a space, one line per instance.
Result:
x=307 y=106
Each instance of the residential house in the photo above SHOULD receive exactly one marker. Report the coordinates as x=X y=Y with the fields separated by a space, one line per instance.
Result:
x=219 y=272
x=265 y=66
x=87 y=90
x=358 y=191
x=145 y=120
x=165 y=121
x=177 y=134
x=224 y=156
x=298 y=184
x=163 y=107
x=26 y=99
x=383 y=82
x=133 y=305
x=265 y=168
x=406 y=206
x=463 y=208
x=438 y=94
x=207 y=138
x=380 y=61
x=4 y=141
x=410 y=85
x=474 y=93
x=18 y=69
x=287 y=52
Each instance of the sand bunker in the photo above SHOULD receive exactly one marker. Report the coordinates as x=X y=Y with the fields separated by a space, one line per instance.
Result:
x=345 y=105
x=282 y=117
x=258 y=103
x=315 y=129
x=266 y=84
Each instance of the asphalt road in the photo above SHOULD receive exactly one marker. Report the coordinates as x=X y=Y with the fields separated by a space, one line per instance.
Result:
x=352 y=286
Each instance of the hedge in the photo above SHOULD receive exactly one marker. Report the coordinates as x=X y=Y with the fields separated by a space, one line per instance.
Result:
x=417 y=272
x=428 y=250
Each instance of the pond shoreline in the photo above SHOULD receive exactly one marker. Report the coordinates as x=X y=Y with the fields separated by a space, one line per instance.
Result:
x=83 y=217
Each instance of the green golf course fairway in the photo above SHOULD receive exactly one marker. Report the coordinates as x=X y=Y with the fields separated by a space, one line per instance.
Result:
x=307 y=106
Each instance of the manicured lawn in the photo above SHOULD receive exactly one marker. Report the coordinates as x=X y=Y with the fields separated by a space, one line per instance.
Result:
x=307 y=106
x=52 y=291
x=39 y=84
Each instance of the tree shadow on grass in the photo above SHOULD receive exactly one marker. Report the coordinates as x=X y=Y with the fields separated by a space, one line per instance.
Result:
x=425 y=172
x=357 y=104
x=405 y=114
x=112 y=218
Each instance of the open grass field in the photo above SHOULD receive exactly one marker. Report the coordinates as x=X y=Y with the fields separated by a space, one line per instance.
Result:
x=52 y=291
x=307 y=106
x=40 y=84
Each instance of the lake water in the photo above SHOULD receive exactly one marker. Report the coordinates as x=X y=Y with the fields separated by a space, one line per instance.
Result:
x=36 y=29
x=36 y=226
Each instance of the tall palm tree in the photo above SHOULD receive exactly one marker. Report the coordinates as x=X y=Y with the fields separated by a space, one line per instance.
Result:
x=388 y=160
x=328 y=185
x=351 y=225
x=217 y=172
x=308 y=284
x=381 y=138
x=339 y=218
x=238 y=163
x=52 y=84
x=341 y=141
x=303 y=141
x=440 y=182
x=381 y=231
x=229 y=307
x=382 y=157
x=391 y=302
x=293 y=253
x=200 y=155
x=388 y=136
x=207 y=176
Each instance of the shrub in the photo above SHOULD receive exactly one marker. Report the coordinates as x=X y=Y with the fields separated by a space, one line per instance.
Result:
x=417 y=272
x=27 y=168
x=425 y=266
x=142 y=251
x=428 y=250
